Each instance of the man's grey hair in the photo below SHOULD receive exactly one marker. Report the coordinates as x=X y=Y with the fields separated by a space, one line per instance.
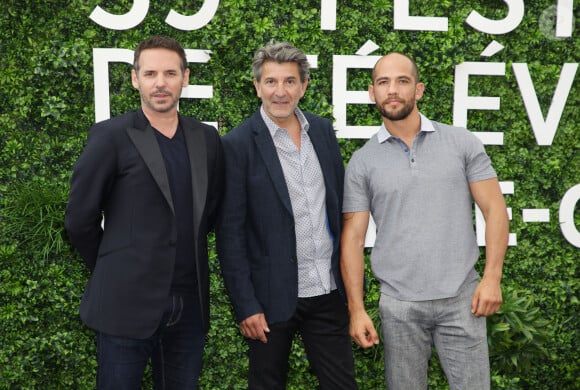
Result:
x=280 y=53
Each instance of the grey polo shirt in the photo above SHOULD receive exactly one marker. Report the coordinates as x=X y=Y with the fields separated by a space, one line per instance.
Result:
x=425 y=245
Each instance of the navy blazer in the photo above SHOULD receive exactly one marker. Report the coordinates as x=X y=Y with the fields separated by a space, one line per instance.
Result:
x=121 y=175
x=256 y=238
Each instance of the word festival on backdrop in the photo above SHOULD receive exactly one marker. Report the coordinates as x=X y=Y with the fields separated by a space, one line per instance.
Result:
x=560 y=25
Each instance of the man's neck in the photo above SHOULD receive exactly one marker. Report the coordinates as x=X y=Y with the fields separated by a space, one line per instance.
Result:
x=292 y=125
x=164 y=122
x=405 y=129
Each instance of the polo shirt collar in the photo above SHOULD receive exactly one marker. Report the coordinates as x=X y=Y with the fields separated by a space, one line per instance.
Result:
x=426 y=125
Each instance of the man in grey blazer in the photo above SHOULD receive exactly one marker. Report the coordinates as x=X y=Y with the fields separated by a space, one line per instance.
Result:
x=155 y=177
x=279 y=229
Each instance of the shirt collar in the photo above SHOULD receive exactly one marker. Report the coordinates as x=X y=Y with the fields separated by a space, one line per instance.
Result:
x=426 y=125
x=273 y=127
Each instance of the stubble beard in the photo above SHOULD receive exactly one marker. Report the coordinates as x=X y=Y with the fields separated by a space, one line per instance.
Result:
x=160 y=108
x=403 y=113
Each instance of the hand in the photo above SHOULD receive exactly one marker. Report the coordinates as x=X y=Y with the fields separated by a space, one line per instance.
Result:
x=255 y=327
x=362 y=330
x=487 y=298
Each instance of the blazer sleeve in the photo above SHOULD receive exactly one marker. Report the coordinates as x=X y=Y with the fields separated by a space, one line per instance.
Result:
x=231 y=240
x=91 y=181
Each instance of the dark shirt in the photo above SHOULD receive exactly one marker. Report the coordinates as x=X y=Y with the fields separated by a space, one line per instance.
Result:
x=174 y=151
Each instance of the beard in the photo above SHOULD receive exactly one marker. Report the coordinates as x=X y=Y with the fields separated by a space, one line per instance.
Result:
x=397 y=115
x=161 y=108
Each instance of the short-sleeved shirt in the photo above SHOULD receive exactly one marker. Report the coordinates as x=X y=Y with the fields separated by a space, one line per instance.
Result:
x=421 y=202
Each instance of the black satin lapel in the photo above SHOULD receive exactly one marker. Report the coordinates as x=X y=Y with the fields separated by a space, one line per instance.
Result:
x=268 y=151
x=146 y=143
x=196 y=148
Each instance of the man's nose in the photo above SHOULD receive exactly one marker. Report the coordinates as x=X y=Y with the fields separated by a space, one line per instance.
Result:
x=160 y=80
x=280 y=89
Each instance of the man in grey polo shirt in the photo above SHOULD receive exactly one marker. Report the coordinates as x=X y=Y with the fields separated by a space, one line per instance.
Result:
x=419 y=178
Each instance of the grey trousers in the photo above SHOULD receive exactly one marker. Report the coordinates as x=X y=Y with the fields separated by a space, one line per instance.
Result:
x=411 y=329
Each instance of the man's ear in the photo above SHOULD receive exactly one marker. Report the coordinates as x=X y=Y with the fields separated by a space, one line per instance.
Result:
x=372 y=93
x=419 y=89
x=304 y=86
x=186 y=78
x=134 y=79
x=257 y=86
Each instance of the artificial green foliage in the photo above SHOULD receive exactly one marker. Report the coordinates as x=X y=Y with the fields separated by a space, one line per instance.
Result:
x=518 y=332
x=47 y=104
x=32 y=213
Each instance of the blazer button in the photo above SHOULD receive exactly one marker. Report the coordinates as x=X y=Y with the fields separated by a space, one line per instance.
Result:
x=293 y=259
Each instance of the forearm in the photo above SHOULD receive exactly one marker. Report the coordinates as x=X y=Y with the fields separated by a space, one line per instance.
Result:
x=496 y=238
x=488 y=196
x=352 y=268
x=352 y=265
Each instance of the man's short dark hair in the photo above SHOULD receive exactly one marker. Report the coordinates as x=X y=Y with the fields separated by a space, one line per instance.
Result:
x=160 y=42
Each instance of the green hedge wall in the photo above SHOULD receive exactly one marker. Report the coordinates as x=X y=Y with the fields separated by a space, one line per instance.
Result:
x=47 y=105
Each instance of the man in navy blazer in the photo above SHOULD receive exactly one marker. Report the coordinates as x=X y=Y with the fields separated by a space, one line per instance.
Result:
x=278 y=233
x=156 y=177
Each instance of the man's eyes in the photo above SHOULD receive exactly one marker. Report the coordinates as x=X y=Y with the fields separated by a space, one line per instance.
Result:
x=153 y=74
x=287 y=82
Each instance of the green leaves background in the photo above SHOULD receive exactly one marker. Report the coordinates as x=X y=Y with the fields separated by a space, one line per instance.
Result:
x=47 y=105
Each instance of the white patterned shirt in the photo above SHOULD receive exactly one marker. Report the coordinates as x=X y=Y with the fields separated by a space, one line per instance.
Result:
x=307 y=192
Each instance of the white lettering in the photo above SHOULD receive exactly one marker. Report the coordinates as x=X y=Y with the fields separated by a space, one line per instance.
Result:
x=564 y=18
x=197 y=91
x=536 y=215
x=507 y=187
x=193 y=22
x=340 y=95
x=569 y=229
x=492 y=49
x=328 y=15
x=402 y=20
x=545 y=130
x=503 y=26
x=121 y=22
x=101 y=60
x=371 y=235
x=463 y=102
